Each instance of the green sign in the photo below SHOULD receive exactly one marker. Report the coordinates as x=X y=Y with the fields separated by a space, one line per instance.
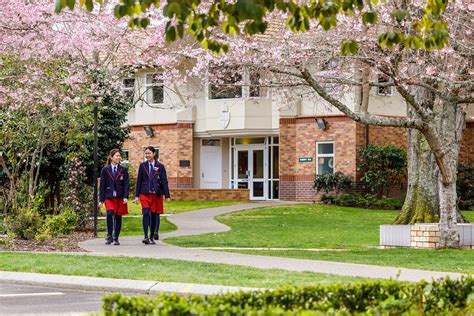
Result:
x=305 y=159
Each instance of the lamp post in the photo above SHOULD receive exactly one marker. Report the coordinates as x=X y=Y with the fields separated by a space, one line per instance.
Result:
x=95 y=173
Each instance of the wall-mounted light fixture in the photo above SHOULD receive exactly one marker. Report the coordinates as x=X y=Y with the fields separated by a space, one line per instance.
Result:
x=148 y=130
x=321 y=123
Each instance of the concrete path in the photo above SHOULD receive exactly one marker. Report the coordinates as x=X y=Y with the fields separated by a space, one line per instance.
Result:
x=202 y=222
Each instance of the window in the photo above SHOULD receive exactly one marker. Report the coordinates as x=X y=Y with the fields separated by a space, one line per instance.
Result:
x=128 y=88
x=324 y=157
x=254 y=89
x=250 y=141
x=211 y=142
x=386 y=90
x=125 y=156
x=228 y=87
x=154 y=88
x=157 y=153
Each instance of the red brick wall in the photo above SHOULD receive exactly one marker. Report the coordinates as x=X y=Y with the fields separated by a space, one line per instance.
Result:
x=298 y=137
x=384 y=135
x=175 y=142
x=210 y=194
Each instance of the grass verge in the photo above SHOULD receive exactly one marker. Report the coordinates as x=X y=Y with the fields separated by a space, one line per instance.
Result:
x=160 y=270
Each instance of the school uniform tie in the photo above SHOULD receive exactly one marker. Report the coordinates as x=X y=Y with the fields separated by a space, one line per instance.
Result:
x=114 y=172
x=152 y=189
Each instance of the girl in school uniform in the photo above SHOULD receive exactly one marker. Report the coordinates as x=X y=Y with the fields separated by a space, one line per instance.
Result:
x=150 y=188
x=113 y=193
x=166 y=195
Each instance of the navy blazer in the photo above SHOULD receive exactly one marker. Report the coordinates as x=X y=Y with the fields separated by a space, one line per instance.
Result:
x=108 y=183
x=158 y=178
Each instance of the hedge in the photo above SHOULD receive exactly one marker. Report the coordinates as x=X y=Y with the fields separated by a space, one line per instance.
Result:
x=373 y=297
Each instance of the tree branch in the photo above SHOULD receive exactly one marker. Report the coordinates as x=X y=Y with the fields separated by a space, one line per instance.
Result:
x=366 y=118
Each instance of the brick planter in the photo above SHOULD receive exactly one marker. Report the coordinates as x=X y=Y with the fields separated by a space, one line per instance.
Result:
x=209 y=194
x=422 y=235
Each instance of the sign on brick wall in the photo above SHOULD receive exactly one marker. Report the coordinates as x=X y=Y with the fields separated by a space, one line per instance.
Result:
x=305 y=159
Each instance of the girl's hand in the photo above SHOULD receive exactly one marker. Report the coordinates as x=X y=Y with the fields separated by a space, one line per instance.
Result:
x=136 y=200
x=125 y=201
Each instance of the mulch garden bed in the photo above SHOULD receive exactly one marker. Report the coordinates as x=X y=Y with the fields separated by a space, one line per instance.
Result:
x=67 y=243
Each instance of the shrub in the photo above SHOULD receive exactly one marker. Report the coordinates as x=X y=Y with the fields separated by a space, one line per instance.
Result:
x=443 y=296
x=465 y=187
x=327 y=199
x=25 y=224
x=384 y=167
x=329 y=182
x=3 y=228
x=62 y=224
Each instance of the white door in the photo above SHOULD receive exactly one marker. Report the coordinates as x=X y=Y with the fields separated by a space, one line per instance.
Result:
x=211 y=164
x=250 y=171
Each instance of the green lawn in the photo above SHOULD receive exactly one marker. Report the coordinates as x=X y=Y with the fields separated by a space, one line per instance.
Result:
x=160 y=270
x=327 y=227
x=175 y=207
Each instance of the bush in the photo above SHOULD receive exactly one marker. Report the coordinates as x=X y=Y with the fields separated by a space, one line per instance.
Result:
x=465 y=187
x=3 y=228
x=384 y=167
x=443 y=296
x=329 y=182
x=368 y=201
x=328 y=199
x=25 y=224
x=62 y=224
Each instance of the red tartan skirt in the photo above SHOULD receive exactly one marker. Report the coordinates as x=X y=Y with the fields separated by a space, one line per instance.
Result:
x=152 y=202
x=116 y=204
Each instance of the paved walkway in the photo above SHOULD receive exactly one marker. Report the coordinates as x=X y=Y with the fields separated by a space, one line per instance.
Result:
x=202 y=222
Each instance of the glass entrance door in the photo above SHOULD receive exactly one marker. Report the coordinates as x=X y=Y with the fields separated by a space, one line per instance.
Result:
x=251 y=172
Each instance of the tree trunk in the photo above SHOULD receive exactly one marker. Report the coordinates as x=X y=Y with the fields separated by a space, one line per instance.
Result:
x=422 y=199
x=449 y=236
x=444 y=134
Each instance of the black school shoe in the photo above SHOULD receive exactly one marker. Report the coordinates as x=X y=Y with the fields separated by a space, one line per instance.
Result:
x=146 y=241
x=152 y=241
x=116 y=242
x=156 y=236
x=109 y=240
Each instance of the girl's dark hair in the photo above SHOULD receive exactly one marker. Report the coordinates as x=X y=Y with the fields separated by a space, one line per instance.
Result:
x=111 y=154
x=150 y=148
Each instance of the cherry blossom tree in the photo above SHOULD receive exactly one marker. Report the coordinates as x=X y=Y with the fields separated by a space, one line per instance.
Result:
x=46 y=62
x=422 y=48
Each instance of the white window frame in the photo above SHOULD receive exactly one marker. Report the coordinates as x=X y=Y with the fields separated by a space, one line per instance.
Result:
x=132 y=89
x=318 y=155
x=263 y=92
x=388 y=87
x=238 y=71
x=151 y=85
x=128 y=155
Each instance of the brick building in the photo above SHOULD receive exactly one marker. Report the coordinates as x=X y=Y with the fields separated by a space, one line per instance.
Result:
x=249 y=139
